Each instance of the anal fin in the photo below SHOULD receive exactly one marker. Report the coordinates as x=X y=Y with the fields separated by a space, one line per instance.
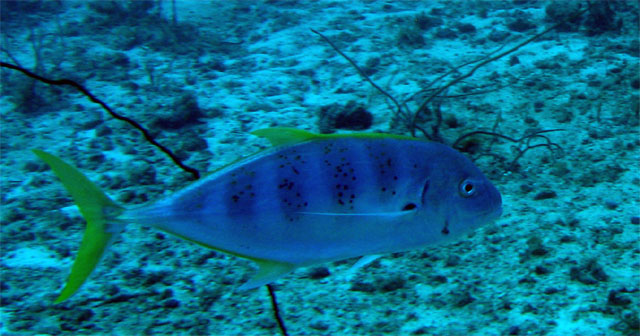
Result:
x=269 y=272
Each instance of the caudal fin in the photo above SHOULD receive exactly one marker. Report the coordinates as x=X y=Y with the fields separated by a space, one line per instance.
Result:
x=97 y=209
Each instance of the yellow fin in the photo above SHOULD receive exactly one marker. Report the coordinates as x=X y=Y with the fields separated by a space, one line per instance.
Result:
x=284 y=135
x=269 y=272
x=96 y=208
x=289 y=136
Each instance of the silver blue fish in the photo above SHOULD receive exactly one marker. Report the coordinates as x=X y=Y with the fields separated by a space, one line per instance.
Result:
x=308 y=199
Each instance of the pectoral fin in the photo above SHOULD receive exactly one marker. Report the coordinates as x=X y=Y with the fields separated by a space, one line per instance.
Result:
x=269 y=272
x=364 y=261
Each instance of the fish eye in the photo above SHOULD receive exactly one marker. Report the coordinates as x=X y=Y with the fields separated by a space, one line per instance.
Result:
x=467 y=188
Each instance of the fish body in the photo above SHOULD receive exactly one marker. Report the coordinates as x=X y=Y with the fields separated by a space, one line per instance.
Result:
x=315 y=198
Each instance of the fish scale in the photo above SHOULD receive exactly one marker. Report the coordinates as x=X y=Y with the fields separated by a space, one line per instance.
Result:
x=308 y=199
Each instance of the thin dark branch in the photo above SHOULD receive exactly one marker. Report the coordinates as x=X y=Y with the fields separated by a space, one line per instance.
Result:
x=487 y=61
x=194 y=172
x=466 y=135
x=527 y=145
x=364 y=75
x=454 y=69
x=276 y=310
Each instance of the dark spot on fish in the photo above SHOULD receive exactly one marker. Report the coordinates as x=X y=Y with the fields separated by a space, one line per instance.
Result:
x=284 y=183
x=445 y=229
x=395 y=178
x=341 y=202
x=295 y=170
x=340 y=194
x=384 y=189
x=235 y=198
x=409 y=207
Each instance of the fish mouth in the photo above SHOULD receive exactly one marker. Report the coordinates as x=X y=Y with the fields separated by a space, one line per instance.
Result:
x=491 y=214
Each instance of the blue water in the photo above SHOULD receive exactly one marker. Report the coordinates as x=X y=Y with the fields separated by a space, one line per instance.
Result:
x=563 y=259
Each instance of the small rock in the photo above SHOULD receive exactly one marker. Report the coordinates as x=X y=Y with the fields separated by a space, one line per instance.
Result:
x=35 y=166
x=103 y=130
x=351 y=116
x=551 y=290
x=617 y=299
x=361 y=286
x=513 y=330
x=319 y=325
x=266 y=323
x=172 y=303
x=439 y=279
x=461 y=298
x=185 y=111
x=425 y=22
x=194 y=143
x=452 y=260
x=520 y=25
x=611 y=205
x=142 y=173
x=446 y=33
x=541 y=270
x=545 y=194
x=498 y=35
x=466 y=28
x=391 y=284
x=319 y=273
x=589 y=274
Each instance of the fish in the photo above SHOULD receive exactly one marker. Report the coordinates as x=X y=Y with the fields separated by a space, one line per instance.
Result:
x=307 y=199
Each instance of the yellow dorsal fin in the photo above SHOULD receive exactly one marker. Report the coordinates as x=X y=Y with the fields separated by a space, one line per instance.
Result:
x=288 y=136
x=284 y=135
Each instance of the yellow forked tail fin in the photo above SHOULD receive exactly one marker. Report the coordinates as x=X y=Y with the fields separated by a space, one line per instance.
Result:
x=98 y=210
